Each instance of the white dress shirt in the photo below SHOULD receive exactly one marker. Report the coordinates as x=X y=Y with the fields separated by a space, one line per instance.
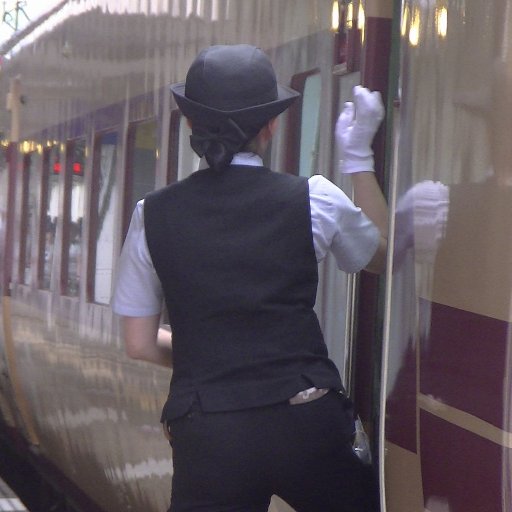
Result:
x=338 y=226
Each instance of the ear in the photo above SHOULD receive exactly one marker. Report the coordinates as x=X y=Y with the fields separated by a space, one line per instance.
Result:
x=272 y=126
x=269 y=129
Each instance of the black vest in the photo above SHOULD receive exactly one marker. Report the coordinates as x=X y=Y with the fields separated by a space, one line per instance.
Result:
x=234 y=252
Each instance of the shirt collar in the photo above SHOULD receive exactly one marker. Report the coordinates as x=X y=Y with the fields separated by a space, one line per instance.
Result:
x=244 y=158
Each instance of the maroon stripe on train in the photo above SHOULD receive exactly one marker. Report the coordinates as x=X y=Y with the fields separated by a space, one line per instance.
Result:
x=401 y=405
x=463 y=362
x=461 y=471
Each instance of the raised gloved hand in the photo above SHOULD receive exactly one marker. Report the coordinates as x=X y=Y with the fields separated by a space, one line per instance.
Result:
x=356 y=128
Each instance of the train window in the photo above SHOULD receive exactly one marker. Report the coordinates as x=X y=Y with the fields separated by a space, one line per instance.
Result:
x=309 y=129
x=74 y=208
x=49 y=214
x=103 y=207
x=31 y=166
x=141 y=161
x=303 y=125
x=188 y=161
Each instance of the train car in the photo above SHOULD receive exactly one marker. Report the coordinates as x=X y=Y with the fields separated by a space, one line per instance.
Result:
x=88 y=129
x=447 y=389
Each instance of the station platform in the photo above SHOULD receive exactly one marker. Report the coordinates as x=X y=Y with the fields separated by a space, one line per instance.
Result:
x=9 y=502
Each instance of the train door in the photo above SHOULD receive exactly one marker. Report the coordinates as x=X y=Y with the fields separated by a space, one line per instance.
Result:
x=336 y=290
x=362 y=56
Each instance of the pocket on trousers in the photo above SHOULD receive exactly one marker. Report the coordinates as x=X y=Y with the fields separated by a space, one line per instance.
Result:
x=348 y=411
x=175 y=426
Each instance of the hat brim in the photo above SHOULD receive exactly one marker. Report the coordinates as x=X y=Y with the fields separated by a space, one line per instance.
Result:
x=255 y=114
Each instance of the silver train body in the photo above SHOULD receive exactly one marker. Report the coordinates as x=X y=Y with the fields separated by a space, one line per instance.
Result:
x=89 y=128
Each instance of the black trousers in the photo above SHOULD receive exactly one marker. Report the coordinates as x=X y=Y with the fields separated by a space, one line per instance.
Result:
x=235 y=461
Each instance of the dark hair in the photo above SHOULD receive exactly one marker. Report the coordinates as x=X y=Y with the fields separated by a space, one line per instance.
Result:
x=218 y=156
x=218 y=142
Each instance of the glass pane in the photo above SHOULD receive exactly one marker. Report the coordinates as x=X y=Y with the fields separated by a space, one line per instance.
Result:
x=309 y=126
x=76 y=216
x=106 y=206
x=32 y=166
x=143 y=160
x=188 y=161
x=51 y=211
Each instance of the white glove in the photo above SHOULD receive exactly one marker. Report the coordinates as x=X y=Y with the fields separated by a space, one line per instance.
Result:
x=356 y=128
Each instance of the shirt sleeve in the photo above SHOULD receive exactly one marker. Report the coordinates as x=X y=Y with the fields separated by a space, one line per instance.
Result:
x=138 y=291
x=339 y=226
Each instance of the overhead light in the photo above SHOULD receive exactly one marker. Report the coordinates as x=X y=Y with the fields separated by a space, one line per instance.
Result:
x=335 y=16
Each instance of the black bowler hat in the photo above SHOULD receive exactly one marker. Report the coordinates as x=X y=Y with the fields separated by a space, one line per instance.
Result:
x=236 y=82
